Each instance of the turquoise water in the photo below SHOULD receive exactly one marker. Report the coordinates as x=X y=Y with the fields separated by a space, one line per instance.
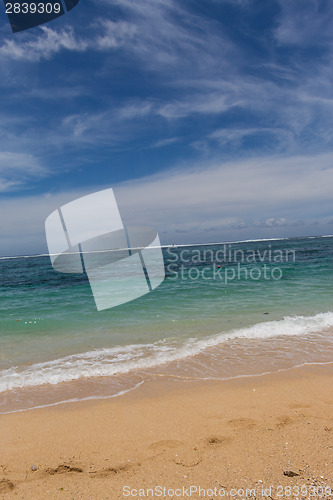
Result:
x=51 y=332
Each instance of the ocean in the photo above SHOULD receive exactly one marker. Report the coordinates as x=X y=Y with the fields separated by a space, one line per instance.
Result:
x=224 y=310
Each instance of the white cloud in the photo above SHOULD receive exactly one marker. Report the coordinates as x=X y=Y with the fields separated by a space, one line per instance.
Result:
x=164 y=35
x=43 y=46
x=19 y=163
x=164 y=142
x=281 y=136
x=304 y=23
x=115 y=34
x=16 y=169
x=22 y=221
x=282 y=221
x=274 y=188
x=150 y=32
x=237 y=200
x=205 y=72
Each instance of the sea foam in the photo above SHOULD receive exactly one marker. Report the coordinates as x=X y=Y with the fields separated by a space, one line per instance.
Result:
x=120 y=360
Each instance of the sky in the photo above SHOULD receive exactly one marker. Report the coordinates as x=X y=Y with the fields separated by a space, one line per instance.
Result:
x=212 y=120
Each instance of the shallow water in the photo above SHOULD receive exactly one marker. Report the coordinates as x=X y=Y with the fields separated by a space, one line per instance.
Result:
x=268 y=306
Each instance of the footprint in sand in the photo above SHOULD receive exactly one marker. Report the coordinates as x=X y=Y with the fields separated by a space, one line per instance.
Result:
x=62 y=469
x=242 y=423
x=219 y=440
x=284 y=420
x=111 y=471
x=186 y=455
x=166 y=444
x=6 y=485
x=187 y=459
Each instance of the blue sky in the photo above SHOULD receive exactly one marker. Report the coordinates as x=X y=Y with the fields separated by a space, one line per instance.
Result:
x=212 y=119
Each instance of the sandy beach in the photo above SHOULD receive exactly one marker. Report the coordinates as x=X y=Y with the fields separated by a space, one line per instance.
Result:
x=266 y=436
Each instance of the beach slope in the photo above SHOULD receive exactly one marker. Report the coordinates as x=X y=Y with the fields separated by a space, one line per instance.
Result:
x=258 y=434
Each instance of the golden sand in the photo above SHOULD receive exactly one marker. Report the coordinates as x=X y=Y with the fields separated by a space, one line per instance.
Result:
x=257 y=437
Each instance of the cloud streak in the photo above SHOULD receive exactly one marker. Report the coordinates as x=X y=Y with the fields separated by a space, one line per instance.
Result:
x=43 y=46
x=17 y=169
x=277 y=197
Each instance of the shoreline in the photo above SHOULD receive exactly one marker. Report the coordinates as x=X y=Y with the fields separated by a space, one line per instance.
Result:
x=168 y=379
x=239 y=433
x=232 y=359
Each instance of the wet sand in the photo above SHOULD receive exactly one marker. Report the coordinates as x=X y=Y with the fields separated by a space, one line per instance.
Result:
x=258 y=434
